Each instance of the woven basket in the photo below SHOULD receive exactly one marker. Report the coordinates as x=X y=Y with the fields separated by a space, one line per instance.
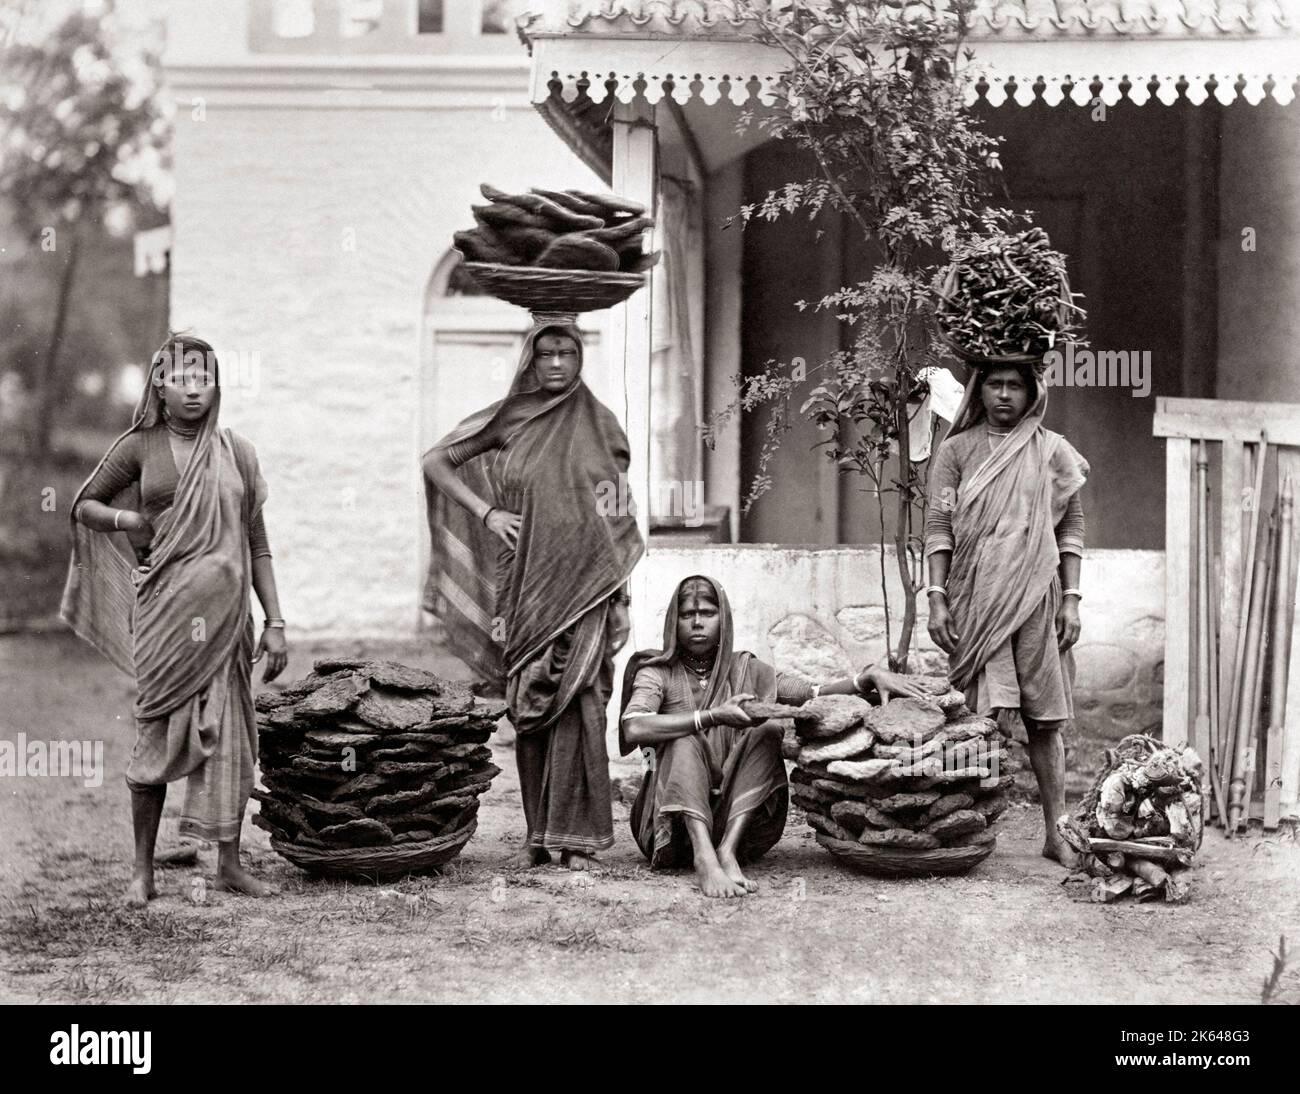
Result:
x=546 y=290
x=1035 y=359
x=375 y=864
x=903 y=862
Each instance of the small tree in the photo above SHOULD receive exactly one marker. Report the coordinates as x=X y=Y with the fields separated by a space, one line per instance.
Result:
x=878 y=99
x=82 y=143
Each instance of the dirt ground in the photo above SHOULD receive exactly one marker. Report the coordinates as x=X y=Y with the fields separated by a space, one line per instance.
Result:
x=816 y=932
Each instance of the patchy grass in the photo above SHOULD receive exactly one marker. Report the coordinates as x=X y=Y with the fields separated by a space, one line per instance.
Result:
x=83 y=983
x=479 y=932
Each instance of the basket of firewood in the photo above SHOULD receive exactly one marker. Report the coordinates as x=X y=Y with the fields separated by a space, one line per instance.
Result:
x=372 y=769
x=1138 y=829
x=911 y=788
x=1006 y=300
x=557 y=250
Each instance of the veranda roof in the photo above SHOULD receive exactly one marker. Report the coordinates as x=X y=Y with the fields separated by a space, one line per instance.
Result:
x=703 y=50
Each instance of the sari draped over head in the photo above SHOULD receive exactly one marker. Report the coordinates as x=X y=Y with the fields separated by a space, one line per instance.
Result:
x=174 y=626
x=734 y=672
x=536 y=618
x=1005 y=556
x=744 y=774
x=561 y=456
x=182 y=626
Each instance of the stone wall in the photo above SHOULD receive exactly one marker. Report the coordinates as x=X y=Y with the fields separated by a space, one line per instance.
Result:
x=819 y=611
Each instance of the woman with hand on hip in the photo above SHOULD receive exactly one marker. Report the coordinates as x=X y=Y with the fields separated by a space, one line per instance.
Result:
x=529 y=573
x=189 y=496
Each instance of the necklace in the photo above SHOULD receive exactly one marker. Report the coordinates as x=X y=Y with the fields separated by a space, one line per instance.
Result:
x=181 y=430
x=991 y=433
x=700 y=668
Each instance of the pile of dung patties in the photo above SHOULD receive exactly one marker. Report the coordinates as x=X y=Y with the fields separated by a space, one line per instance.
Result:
x=371 y=754
x=558 y=229
x=910 y=775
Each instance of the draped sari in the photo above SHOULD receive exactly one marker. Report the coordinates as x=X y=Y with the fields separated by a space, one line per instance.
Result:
x=183 y=627
x=535 y=618
x=719 y=773
x=1003 y=585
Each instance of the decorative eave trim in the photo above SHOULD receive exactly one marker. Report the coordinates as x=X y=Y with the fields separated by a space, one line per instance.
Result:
x=1021 y=70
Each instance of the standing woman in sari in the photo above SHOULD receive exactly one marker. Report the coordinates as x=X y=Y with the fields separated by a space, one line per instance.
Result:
x=528 y=573
x=189 y=496
x=1004 y=541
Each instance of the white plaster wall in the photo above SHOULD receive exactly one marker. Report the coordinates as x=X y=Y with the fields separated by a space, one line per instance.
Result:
x=818 y=610
x=304 y=239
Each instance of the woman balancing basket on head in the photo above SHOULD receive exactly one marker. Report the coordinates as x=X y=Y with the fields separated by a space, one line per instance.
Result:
x=529 y=576
x=1004 y=531
x=189 y=495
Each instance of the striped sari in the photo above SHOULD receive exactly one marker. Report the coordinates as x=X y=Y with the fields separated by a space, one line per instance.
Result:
x=535 y=619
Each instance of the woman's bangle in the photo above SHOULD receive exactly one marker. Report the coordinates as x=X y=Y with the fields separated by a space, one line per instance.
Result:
x=490 y=510
x=930 y=590
x=117 y=515
x=273 y=623
x=696 y=717
x=1072 y=592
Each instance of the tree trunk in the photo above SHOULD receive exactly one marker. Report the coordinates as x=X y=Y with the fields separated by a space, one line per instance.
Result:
x=48 y=390
x=903 y=528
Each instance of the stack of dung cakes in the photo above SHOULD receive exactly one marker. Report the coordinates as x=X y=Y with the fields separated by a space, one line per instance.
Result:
x=372 y=769
x=908 y=788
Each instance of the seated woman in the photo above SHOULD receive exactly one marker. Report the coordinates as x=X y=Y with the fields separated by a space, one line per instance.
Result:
x=716 y=794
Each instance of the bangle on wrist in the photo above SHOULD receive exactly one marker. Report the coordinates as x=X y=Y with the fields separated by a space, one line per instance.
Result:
x=487 y=513
x=930 y=590
x=117 y=515
x=270 y=623
x=696 y=717
x=1071 y=592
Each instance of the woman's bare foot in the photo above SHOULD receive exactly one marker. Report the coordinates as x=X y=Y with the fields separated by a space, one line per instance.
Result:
x=235 y=879
x=1055 y=848
x=578 y=860
x=714 y=881
x=528 y=857
x=730 y=867
x=140 y=891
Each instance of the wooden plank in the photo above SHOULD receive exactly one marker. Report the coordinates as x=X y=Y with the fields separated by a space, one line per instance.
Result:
x=1225 y=420
x=1288 y=463
x=1232 y=460
x=1201 y=726
x=1178 y=588
x=1255 y=497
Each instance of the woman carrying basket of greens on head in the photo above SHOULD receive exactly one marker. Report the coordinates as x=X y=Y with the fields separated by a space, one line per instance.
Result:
x=189 y=496
x=1004 y=540
x=528 y=573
